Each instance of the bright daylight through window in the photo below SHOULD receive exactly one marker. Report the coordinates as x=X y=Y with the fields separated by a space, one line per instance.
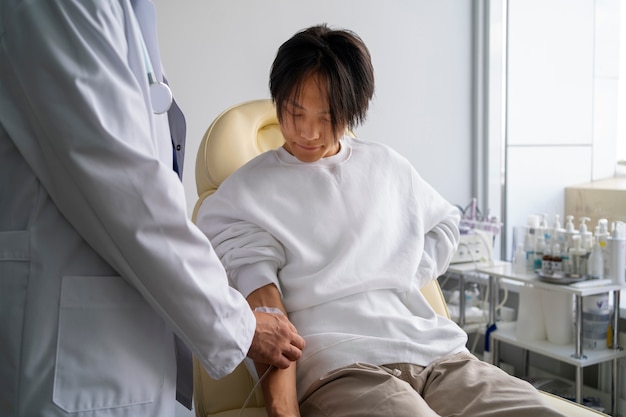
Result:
x=621 y=114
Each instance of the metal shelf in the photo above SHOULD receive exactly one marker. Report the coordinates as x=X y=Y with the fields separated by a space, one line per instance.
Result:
x=563 y=353
x=572 y=354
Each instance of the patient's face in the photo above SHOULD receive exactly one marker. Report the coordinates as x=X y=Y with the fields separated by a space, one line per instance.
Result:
x=306 y=124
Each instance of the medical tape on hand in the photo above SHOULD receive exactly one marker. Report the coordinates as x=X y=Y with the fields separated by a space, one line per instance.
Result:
x=272 y=310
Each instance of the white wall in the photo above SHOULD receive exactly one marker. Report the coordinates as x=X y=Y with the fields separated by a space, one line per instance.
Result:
x=218 y=53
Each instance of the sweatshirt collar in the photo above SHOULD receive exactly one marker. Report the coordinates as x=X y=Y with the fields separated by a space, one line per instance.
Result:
x=341 y=156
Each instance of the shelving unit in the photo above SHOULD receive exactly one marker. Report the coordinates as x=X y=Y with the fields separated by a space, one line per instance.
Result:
x=465 y=272
x=572 y=353
x=562 y=353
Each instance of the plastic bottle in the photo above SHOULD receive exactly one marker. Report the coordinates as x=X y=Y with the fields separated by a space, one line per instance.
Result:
x=602 y=236
x=557 y=259
x=472 y=295
x=546 y=261
x=540 y=247
x=519 y=259
x=617 y=253
x=529 y=241
x=570 y=231
x=558 y=232
x=595 y=266
x=569 y=234
x=578 y=258
x=545 y=230
x=586 y=241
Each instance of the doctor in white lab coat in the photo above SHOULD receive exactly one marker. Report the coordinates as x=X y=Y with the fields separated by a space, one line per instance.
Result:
x=99 y=263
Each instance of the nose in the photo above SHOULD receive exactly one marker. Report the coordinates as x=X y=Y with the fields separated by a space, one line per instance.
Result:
x=309 y=130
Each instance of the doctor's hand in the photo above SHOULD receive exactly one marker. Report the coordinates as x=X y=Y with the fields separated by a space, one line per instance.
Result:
x=276 y=341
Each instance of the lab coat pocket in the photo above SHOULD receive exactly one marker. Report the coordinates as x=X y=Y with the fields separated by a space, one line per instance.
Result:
x=14 y=267
x=112 y=347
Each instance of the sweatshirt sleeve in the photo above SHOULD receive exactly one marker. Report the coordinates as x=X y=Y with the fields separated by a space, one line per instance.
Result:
x=251 y=255
x=440 y=221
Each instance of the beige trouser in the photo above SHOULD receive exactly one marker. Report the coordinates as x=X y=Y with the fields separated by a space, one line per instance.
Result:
x=458 y=385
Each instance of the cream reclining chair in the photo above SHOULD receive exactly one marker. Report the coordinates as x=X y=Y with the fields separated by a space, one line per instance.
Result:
x=236 y=136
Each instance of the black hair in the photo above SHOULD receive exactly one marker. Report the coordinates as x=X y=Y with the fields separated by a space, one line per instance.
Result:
x=340 y=58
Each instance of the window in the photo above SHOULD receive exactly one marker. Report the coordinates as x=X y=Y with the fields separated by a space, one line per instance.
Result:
x=621 y=97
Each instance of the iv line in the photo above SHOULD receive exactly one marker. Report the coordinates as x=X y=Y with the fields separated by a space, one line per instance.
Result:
x=245 y=403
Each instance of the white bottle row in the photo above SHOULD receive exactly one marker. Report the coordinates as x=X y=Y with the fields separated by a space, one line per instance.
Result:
x=558 y=251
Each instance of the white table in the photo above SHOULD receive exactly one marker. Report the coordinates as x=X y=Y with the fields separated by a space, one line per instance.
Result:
x=573 y=355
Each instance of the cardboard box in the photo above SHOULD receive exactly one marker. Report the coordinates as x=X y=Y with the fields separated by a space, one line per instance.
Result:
x=602 y=199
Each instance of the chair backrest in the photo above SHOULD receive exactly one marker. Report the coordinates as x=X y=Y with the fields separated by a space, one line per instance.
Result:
x=236 y=136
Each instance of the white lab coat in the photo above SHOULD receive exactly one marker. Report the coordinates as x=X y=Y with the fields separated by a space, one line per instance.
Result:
x=98 y=261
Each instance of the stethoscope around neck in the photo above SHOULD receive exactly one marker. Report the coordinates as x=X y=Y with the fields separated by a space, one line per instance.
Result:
x=160 y=94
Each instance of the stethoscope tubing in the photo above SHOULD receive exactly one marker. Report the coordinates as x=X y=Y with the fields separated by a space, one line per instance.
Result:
x=161 y=97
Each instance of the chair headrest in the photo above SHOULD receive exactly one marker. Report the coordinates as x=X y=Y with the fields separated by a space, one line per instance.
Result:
x=236 y=136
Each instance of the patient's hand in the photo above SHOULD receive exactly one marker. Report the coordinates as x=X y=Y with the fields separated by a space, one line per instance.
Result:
x=276 y=341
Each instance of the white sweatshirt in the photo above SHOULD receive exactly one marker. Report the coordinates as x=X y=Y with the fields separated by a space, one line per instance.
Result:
x=348 y=240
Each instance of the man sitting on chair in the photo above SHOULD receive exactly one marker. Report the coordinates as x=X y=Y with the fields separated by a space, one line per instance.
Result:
x=341 y=234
